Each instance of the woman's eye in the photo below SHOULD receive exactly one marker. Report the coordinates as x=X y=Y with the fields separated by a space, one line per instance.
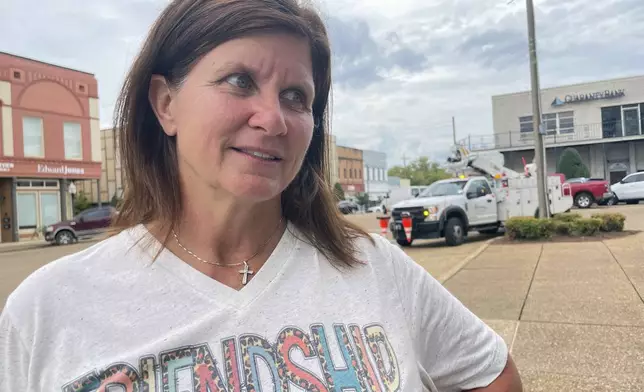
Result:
x=241 y=81
x=294 y=96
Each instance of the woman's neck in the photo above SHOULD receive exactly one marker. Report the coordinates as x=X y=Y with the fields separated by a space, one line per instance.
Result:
x=229 y=232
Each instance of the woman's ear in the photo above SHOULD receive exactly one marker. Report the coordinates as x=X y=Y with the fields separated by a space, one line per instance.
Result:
x=160 y=97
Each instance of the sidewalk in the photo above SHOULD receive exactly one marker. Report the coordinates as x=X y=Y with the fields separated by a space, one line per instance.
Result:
x=571 y=313
x=23 y=245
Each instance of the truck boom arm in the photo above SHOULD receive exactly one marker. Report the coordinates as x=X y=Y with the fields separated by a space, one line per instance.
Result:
x=488 y=163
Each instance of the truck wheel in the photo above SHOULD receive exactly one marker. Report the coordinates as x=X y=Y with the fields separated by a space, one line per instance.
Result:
x=404 y=243
x=454 y=232
x=64 y=237
x=583 y=200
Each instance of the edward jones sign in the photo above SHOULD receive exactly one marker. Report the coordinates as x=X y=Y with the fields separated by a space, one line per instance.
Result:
x=20 y=167
x=64 y=170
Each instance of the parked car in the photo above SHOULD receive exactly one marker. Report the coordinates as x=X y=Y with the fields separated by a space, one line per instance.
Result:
x=630 y=189
x=347 y=207
x=89 y=223
x=588 y=191
x=379 y=209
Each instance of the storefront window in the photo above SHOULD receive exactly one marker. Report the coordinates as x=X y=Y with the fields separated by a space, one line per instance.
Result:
x=550 y=123
x=625 y=120
x=26 y=203
x=554 y=123
x=566 y=122
x=612 y=122
x=525 y=124
x=73 y=141
x=631 y=119
x=32 y=134
x=49 y=208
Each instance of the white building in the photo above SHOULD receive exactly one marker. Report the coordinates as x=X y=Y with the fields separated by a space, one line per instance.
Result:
x=603 y=120
x=333 y=158
x=375 y=174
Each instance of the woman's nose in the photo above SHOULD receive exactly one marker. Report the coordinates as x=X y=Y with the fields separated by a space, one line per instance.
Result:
x=268 y=116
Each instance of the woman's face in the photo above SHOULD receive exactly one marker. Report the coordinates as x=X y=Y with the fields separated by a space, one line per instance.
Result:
x=242 y=117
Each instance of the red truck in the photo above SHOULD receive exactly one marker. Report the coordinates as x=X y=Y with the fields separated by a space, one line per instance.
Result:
x=587 y=191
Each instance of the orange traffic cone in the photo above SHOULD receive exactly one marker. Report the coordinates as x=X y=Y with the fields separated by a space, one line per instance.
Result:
x=407 y=224
x=384 y=225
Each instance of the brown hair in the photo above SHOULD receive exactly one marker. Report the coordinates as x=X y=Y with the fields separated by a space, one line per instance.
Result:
x=186 y=31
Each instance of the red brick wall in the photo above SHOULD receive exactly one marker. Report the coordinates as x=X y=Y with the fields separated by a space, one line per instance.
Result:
x=55 y=94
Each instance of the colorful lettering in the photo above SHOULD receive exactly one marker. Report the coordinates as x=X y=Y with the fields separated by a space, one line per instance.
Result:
x=367 y=362
x=255 y=348
x=367 y=371
x=206 y=374
x=337 y=378
x=148 y=367
x=171 y=363
x=377 y=340
x=294 y=338
x=231 y=364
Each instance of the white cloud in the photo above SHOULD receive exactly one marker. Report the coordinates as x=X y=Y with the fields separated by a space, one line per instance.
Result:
x=402 y=68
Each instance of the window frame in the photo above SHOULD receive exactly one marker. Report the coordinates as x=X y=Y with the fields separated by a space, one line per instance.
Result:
x=80 y=141
x=551 y=122
x=42 y=137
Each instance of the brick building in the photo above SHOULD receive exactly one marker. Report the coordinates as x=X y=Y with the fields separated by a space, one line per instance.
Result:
x=111 y=174
x=49 y=137
x=350 y=170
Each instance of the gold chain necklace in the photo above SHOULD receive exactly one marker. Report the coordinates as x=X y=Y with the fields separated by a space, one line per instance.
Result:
x=244 y=272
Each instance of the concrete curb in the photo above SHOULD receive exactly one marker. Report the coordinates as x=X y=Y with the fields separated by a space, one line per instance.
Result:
x=20 y=246
x=455 y=269
x=32 y=245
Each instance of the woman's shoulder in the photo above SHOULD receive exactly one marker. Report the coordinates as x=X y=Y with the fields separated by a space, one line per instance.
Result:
x=61 y=278
x=379 y=252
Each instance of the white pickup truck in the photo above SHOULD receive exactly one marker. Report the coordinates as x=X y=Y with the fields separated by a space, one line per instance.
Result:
x=453 y=208
x=448 y=208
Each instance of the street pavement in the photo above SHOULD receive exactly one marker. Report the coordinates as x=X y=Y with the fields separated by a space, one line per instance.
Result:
x=572 y=313
x=434 y=255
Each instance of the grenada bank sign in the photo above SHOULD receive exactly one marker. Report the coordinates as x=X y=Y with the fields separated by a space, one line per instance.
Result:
x=585 y=97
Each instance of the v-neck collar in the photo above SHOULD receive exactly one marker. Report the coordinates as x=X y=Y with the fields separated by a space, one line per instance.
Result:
x=223 y=294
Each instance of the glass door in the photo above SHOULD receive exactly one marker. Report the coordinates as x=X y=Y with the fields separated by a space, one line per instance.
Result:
x=631 y=120
x=49 y=208
x=27 y=204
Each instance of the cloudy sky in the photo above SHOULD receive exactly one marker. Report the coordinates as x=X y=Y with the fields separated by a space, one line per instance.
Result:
x=402 y=68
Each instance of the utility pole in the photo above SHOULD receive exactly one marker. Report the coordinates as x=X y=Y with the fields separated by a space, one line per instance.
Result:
x=404 y=159
x=539 y=149
x=454 y=129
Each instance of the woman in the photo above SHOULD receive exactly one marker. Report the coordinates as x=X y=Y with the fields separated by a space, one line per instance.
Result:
x=233 y=270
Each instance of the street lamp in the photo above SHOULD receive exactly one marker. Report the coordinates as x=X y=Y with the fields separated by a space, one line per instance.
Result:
x=71 y=188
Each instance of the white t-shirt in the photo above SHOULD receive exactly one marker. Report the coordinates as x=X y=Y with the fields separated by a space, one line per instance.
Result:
x=109 y=319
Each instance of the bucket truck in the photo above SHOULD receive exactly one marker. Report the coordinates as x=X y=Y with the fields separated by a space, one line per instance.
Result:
x=481 y=197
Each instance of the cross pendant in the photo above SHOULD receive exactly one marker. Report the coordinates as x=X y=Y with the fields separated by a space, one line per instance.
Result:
x=246 y=271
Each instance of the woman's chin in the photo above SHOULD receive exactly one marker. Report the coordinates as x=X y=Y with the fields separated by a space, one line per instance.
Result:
x=255 y=189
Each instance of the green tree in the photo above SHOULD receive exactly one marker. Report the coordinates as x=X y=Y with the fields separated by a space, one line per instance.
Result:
x=116 y=201
x=338 y=191
x=571 y=165
x=81 y=203
x=362 y=199
x=422 y=171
